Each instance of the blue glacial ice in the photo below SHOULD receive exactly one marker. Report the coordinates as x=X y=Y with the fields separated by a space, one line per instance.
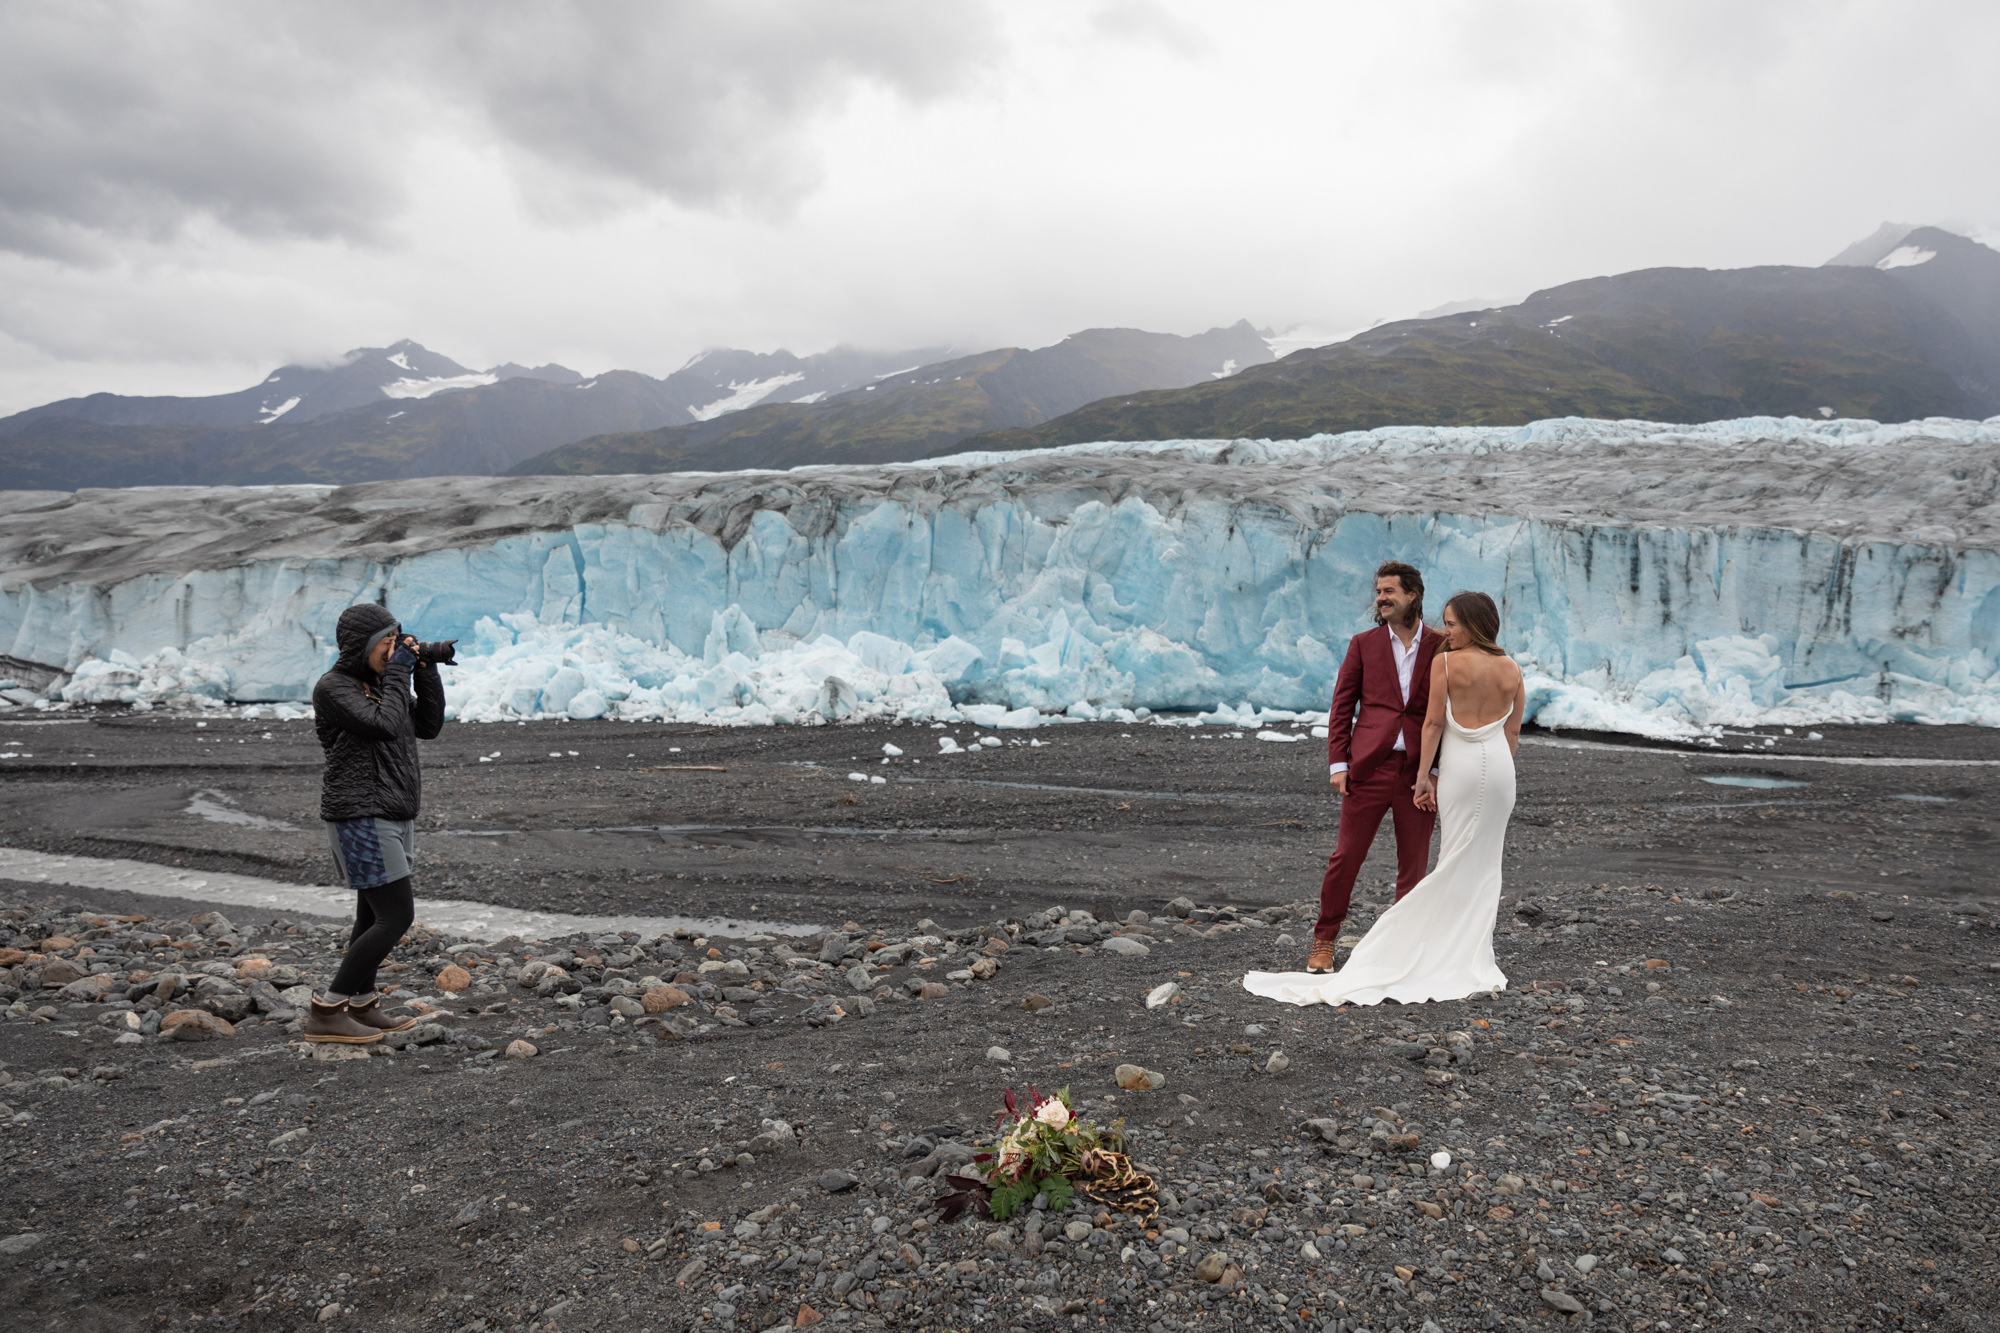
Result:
x=1657 y=579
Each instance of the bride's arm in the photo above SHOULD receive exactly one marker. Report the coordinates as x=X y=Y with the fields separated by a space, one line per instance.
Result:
x=1520 y=709
x=1433 y=736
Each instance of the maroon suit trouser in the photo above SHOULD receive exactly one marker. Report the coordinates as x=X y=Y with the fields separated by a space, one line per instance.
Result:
x=1388 y=788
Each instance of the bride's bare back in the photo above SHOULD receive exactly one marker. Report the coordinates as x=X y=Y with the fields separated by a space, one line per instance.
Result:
x=1484 y=687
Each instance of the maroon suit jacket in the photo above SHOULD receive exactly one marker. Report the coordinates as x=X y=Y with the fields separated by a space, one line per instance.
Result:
x=1368 y=708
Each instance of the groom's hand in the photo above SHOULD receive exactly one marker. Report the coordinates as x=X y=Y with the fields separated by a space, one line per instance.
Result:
x=1340 y=783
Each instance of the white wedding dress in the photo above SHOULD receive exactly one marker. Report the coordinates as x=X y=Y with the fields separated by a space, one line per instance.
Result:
x=1437 y=943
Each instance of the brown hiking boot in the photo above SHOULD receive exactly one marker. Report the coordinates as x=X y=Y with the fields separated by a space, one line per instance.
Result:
x=1321 y=957
x=369 y=1011
x=332 y=1022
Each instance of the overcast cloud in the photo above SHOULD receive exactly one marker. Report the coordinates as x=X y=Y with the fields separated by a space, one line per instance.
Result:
x=192 y=193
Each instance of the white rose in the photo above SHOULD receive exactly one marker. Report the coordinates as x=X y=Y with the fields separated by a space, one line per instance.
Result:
x=1054 y=1114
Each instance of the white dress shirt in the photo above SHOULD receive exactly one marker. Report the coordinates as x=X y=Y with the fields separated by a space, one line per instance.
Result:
x=1406 y=668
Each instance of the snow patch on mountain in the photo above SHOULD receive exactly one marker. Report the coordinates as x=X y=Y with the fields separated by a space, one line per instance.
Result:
x=746 y=394
x=424 y=388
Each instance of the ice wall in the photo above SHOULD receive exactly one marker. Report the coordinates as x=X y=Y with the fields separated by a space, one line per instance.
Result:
x=1654 y=579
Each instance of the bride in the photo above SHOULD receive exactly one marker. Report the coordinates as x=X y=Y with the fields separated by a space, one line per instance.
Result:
x=1437 y=943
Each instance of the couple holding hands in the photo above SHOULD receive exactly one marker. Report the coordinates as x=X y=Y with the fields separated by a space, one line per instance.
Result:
x=1424 y=728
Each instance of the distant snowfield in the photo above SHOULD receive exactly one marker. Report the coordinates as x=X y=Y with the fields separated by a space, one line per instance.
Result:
x=745 y=395
x=424 y=388
x=1662 y=580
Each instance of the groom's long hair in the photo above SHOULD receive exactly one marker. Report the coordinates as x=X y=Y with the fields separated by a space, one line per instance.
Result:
x=1412 y=581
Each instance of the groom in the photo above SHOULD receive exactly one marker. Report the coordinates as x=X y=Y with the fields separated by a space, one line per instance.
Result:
x=1373 y=736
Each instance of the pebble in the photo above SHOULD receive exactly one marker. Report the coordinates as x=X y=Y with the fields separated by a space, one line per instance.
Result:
x=327 y=1312
x=835 y=1181
x=20 y=1243
x=1163 y=994
x=999 y=1055
x=1124 y=947
x=195 y=1025
x=1132 y=1078
x=1037 y=1003
x=1278 y=1063
x=659 y=999
x=1583 y=1263
x=520 y=1049
x=1561 y=1301
x=933 y=990
x=1441 y=1160
x=1212 y=1266
x=1078 y=1232
x=452 y=979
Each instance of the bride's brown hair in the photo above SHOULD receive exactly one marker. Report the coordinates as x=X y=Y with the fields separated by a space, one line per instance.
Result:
x=1479 y=618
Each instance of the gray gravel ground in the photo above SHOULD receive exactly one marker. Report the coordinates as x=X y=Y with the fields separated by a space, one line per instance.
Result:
x=1749 y=1088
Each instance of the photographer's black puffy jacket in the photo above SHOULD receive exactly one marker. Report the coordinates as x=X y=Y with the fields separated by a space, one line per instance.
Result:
x=369 y=725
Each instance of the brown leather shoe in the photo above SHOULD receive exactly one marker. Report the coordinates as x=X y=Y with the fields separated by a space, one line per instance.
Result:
x=1321 y=957
x=332 y=1022
x=369 y=1011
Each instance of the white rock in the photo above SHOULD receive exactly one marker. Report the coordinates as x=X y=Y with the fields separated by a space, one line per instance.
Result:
x=1162 y=994
x=1441 y=1159
x=1124 y=948
x=1000 y=1055
x=893 y=751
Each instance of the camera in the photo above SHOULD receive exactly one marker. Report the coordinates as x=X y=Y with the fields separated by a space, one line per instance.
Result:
x=442 y=653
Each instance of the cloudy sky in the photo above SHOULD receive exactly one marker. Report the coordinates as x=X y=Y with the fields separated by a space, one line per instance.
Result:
x=192 y=193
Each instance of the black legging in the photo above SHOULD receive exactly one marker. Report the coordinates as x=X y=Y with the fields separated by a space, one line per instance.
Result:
x=380 y=918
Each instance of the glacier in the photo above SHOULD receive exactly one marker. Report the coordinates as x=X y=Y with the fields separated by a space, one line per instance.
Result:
x=1658 y=579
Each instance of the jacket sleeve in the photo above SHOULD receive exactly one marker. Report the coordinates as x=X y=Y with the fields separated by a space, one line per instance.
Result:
x=1346 y=695
x=428 y=713
x=342 y=702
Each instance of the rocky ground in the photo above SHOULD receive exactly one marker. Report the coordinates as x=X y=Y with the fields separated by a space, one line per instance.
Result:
x=1742 y=1077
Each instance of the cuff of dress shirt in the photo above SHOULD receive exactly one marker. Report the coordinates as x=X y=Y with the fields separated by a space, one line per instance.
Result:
x=1331 y=769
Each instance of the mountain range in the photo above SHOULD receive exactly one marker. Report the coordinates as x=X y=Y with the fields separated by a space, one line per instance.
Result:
x=1901 y=325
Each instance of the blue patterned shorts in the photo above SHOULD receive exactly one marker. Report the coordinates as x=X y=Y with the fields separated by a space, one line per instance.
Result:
x=372 y=852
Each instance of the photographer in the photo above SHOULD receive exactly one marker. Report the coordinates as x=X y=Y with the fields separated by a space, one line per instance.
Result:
x=369 y=724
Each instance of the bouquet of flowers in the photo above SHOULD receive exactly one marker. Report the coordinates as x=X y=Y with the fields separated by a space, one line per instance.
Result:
x=1043 y=1147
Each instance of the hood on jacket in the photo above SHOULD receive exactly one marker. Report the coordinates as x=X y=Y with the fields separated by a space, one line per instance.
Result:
x=358 y=630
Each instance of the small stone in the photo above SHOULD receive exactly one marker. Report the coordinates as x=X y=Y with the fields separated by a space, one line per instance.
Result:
x=20 y=1243
x=1077 y=1232
x=1673 y=1256
x=933 y=990
x=195 y=1025
x=1182 y=907
x=1212 y=1266
x=985 y=969
x=1509 y=1183
x=1132 y=1078
x=1309 y=1252
x=327 y=1312
x=519 y=1049
x=1655 y=964
x=1278 y=1063
x=1544 y=1271
x=1124 y=948
x=1561 y=1301
x=1431 y=1210
x=60 y=972
x=996 y=946
x=1441 y=1160
x=694 y=1269
x=629 y=1245
x=806 y=1317
x=859 y=977
x=1037 y=1003
x=1232 y=1276
x=999 y=1055
x=835 y=1181
x=1163 y=994
x=1583 y=1263
x=627 y=1006
x=659 y=999
x=453 y=979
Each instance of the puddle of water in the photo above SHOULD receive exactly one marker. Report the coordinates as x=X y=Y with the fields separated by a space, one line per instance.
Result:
x=1911 y=796
x=1760 y=784
x=219 y=808
x=474 y=920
